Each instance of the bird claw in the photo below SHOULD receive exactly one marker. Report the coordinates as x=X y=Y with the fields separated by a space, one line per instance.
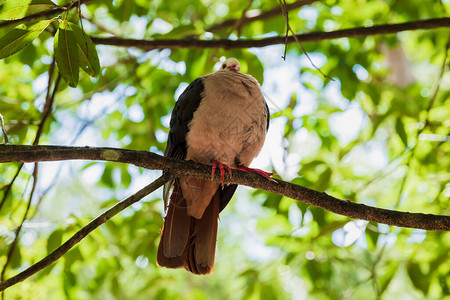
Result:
x=258 y=171
x=222 y=168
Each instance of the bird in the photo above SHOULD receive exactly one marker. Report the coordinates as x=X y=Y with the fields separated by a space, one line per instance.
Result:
x=220 y=119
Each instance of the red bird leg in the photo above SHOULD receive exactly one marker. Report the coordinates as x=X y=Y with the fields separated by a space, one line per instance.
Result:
x=222 y=168
x=257 y=171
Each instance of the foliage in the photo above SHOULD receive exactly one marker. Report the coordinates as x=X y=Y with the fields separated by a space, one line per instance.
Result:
x=393 y=154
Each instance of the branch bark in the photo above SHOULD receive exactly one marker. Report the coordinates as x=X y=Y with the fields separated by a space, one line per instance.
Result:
x=177 y=168
x=83 y=232
x=305 y=37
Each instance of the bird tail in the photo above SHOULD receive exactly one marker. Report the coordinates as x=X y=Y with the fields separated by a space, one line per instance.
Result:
x=186 y=241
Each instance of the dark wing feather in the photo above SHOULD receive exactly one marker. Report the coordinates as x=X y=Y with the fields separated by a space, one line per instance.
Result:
x=182 y=114
x=225 y=195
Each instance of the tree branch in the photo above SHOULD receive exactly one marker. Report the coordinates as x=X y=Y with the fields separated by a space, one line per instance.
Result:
x=304 y=37
x=83 y=232
x=177 y=168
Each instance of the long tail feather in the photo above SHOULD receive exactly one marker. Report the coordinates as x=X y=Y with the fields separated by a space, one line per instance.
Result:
x=202 y=243
x=186 y=241
x=175 y=233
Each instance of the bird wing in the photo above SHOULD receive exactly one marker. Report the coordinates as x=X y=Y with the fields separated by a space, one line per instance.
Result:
x=182 y=114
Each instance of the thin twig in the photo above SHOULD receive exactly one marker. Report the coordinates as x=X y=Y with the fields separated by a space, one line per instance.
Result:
x=81 y=25
x=289 y=29
x=238 y=24
x=83 y=232
x=9 y=186
x=19 y=228
x=72 y=4
x=29 y=122
x=5 y=136
x=309 y=58
x=48 y=105
x=179 y=168
x=286 y=16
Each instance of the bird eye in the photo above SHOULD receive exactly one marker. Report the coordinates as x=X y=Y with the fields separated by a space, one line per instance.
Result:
x=224 y=66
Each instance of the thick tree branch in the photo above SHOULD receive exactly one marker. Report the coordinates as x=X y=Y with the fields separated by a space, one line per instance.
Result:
x=177 y=168
x=83 y=232
x=305 y=37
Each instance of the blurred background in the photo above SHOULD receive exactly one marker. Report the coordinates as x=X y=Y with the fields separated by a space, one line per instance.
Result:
x=378 y=134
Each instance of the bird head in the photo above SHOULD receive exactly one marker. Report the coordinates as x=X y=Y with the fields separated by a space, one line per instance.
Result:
x=231 y=64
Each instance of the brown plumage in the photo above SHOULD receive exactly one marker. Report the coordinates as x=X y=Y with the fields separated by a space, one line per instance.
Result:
x=220 y=117
x=186 y=241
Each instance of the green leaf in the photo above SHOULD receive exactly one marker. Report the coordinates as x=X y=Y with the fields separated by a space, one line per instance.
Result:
x=313 y=269
x=26 y=10
x=16 y=258
x=418 y=278
x=71 y=257
x=372 y=237
x=303 y=209
x=386 y=278
x=318 y=215
x=400 y=128
x=54 y=240
x=20 y=37
x=272 y=201
x=107 y=176
x=125 y=177
x=89 y=165
x=66 y=54
x=324 y=180
x=89 y=61
x=28 y=56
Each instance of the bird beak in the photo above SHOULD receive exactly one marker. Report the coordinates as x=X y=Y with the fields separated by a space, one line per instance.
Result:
x=234 y=68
